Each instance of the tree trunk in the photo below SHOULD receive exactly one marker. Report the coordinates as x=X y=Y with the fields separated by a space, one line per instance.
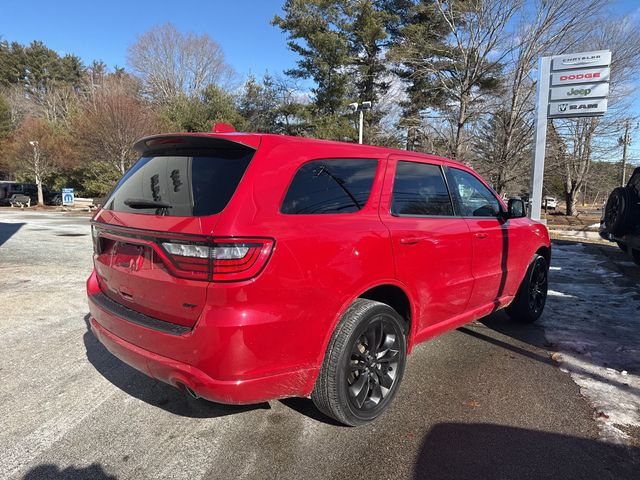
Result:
x=570 y=198
x=457 y=147
x=40 y=195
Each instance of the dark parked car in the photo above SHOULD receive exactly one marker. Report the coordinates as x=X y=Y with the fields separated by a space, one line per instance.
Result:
x=621 y=218
x=8 y=189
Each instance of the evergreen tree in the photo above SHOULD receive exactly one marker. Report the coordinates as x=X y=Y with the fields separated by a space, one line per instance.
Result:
x=341 y=44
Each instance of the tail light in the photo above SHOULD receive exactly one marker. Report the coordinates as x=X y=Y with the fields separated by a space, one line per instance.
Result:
x=220 y=260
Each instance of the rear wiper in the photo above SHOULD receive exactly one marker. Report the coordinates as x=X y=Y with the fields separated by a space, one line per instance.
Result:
x=142 y=203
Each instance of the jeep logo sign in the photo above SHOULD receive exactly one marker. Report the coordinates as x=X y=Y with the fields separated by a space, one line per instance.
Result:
x=579 y=92
x=580 y=76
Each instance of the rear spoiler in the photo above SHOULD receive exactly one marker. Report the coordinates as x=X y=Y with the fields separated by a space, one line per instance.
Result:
x=157 y=143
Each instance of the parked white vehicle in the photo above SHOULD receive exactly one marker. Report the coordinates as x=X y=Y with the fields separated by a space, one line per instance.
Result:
x=550 y=203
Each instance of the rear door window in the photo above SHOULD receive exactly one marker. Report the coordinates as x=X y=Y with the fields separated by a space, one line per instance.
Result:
x=184 y=185
x=330 y=186
x=420 y=189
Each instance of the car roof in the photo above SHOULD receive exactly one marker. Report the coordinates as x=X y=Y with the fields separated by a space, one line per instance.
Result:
x=254 y=140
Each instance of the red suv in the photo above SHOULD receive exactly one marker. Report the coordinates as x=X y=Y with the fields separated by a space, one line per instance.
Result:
x=249 y=267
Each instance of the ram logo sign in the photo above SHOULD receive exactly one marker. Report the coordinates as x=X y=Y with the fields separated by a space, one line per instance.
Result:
x=578 y=108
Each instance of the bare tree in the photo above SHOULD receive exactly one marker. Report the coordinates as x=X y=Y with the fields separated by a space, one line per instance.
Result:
x=112 y=119
x=467 y=69
x=38 y=150
x=544 y=27
x=171 y=63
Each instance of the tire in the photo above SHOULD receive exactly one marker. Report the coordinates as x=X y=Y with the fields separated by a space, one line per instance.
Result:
x=531 y=298
x=621 y=210
x=363 y=365
x=622 y=247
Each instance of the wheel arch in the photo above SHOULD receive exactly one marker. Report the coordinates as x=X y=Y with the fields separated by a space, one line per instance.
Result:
x=387 y=291
x=545 y=252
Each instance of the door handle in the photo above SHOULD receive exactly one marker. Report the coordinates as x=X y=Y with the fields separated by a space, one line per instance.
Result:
x=414 y=240
x=481 y=235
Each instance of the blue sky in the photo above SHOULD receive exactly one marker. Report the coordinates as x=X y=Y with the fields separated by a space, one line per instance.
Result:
x=103 y=30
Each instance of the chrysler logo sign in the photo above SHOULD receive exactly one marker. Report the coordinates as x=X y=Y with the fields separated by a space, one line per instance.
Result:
x=601 y=58
x=581 y=60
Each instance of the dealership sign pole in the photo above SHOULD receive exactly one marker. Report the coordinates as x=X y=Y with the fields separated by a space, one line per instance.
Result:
x=569 y=86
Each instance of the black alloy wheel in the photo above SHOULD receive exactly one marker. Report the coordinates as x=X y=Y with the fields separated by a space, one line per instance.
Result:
x=371 y=370
x=531 y=298
x=363 y=364
x=538 y=288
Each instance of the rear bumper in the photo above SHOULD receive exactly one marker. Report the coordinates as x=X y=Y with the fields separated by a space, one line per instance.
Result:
x=214 y=365
x=179 y=374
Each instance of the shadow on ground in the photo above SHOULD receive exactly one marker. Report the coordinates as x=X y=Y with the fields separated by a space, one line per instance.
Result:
x=8 y=230
x=52 y=472
x=456 y=451
x=151 y=391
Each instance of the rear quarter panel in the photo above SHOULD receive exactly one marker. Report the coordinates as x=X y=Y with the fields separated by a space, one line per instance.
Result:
x=320 y=262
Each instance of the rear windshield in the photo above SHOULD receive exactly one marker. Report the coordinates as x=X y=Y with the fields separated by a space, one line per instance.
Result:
x=181 y=185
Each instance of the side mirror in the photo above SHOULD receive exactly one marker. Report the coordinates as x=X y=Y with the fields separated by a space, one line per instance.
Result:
x=516 y=208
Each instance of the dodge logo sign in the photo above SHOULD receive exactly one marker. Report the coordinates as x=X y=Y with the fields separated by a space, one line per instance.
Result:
x=584 y=75
x=579 y=76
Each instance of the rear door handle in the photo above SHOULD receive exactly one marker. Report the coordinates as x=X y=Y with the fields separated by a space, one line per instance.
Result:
x=414 y=240
x=481 y=235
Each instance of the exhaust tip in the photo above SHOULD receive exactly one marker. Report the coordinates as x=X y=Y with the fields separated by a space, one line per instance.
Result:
x=191 y=392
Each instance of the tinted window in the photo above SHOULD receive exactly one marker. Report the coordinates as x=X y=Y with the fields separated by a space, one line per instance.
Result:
x=420 y=189
x=475 y=199
x=180 y=185
x=330 y=186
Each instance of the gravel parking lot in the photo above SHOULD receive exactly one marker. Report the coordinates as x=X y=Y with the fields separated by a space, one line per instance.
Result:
x=489 y=400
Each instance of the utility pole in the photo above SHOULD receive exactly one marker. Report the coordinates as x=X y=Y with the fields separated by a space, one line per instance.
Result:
x=625 y=141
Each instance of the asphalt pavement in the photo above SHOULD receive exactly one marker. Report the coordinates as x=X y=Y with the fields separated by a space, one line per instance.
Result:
x=481 y=402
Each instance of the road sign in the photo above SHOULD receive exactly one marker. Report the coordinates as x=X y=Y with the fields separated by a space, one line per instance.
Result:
x=578 y=92
x=578 y=108
x=586 y=75
x=68 y=198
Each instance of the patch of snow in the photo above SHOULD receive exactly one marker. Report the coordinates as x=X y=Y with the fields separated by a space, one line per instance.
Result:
x=593 y=323
x=595 y=225
x=555 y=268
x=553 y=293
